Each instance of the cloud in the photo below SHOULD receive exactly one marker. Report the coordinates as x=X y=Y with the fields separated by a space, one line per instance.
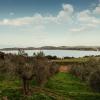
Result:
x=83 y=28
x=84 y=16
x=14 y=22
x=68 y=8
x=66 y=13
x=85 y=19
x=53 y=30
x=63 y=16
x=77 y=29
x=97 y=10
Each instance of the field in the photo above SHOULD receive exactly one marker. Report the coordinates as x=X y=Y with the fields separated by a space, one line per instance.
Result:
x=72 y=87
x=71 y=60
x=62 y=86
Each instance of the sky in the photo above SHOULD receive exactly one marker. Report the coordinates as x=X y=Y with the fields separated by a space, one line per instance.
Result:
x=36 y=23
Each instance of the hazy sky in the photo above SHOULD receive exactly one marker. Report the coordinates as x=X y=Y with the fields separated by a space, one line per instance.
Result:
x=49 y=22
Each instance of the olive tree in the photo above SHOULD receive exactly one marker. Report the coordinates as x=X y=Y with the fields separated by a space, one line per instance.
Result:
x=27 y=68
x=43 y=68
x=94 y=81
x=18 y=66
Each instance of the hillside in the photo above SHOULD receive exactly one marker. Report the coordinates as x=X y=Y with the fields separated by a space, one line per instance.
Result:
x=92 y=48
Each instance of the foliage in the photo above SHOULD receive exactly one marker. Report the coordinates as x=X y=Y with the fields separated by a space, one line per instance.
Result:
x=62 y=85
x=94 y=81
x=87 y=72
x=26 y=68
x=43 y=68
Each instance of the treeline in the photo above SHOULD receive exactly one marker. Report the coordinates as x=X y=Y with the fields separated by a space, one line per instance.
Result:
x=25 y=68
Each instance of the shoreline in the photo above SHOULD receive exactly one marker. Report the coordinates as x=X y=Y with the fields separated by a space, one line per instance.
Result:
x=46 y=49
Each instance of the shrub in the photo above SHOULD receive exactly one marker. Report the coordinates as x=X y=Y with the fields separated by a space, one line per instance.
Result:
x=43 y=68
x=27 y=68
x=94 y=81
x=89 y=72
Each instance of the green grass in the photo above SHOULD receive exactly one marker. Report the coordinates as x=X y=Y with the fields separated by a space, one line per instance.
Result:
x=67 y=82
x=71 y=61
x=69 y=85
x=62 y=86
x=14 y=94
x=6 y=84
x=13 y=90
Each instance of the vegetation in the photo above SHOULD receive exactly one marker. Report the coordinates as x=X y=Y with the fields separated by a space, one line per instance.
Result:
x=61 y=86
x=37 y=78
x=71 y=61
x=72 y=87
x=88 y=72
x=26 y=69
x=94 y=81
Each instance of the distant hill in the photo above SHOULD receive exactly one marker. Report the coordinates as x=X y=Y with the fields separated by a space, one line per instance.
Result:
x=92 y=48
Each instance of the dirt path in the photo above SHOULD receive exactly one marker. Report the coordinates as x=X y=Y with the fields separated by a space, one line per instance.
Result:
x=64 y=68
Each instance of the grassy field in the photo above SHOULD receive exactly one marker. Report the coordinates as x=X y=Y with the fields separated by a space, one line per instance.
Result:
x=72 y=87
x=62 y=86
x=71 y=61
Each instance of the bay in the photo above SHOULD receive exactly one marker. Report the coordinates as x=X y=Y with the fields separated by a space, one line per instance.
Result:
x=60 y=53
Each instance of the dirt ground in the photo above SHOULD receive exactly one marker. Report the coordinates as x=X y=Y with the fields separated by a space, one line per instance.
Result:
x=64 y=68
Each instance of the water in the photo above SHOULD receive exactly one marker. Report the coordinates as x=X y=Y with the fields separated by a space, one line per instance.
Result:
x=60 y=53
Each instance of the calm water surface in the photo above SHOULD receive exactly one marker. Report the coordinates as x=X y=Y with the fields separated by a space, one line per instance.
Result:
x=60 y=53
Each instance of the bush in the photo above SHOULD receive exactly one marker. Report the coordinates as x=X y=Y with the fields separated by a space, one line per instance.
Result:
x=94 y=81
x=27 y=68
x=89 y=72
x=43 y=68
x=84 y=70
